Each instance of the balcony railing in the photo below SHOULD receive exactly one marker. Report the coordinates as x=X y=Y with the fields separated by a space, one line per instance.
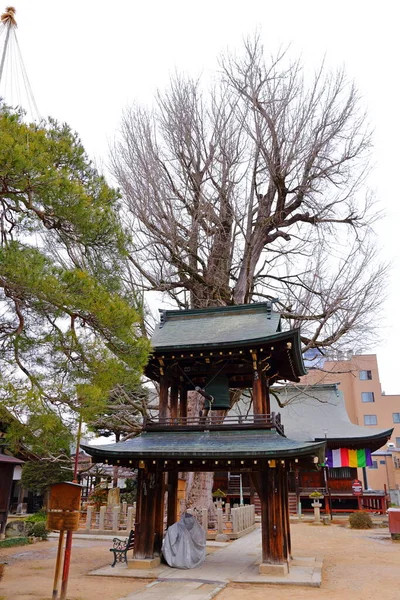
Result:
x=215 y=422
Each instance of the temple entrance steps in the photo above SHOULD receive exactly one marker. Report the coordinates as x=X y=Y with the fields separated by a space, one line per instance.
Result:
x=292 y=504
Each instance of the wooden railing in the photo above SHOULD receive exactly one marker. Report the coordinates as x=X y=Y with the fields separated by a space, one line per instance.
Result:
x=215 y=422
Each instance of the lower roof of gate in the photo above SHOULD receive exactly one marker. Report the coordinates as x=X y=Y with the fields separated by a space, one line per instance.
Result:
x=206 y=444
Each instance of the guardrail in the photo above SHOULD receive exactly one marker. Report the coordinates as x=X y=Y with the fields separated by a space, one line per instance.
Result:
x=216 y=422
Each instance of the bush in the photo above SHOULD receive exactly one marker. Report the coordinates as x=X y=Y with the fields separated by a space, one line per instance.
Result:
x=98 y=497
x=18 y=541
x=37 y=529
x=360 y=520
x=37 y=517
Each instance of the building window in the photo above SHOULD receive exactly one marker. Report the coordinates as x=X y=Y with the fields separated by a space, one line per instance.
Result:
x=374 y=465
x=367 y=397
x=370 y=420
x=364 y=375
x=398 y=442
x=396 y=417
x=382 y=462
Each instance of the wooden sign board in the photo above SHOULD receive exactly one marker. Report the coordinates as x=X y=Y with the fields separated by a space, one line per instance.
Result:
x=65 y=496
x=357 y=488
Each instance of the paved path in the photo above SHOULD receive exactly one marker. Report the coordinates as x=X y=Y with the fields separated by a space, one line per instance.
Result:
x=236 y=561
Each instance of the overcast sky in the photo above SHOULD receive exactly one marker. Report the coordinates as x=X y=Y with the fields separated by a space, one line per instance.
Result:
x=88 y=60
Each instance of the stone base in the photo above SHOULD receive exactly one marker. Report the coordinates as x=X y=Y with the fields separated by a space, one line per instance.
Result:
x=277 y=570
x=144 y=563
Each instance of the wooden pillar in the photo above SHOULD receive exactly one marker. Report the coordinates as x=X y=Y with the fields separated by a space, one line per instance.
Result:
x=159 y=514
x=172 y=510
x=174 y=400
x=285 y=511
x=163 y=411
x=257 y=394
x=272 y=523
x=145 y=511
x=266 y=397
x=138 y=542
x=183 y=401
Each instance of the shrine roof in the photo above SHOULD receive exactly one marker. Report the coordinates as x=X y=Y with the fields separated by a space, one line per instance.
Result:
x=206 y=444
x=311 y=411
x=226 y=325
x=5 y=458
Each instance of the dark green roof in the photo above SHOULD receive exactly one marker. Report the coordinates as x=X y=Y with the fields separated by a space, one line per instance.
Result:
x=206 y=444
x=226 y=325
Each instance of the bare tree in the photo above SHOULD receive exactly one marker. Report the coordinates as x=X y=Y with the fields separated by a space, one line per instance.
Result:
x=255 y=189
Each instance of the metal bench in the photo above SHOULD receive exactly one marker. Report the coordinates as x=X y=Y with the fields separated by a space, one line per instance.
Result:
x=121 y=547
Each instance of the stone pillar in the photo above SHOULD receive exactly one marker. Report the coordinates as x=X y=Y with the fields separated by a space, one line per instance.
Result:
x=115 y=518
x=317 y=511
x=102 y=517
x=124 y=508
x=89 y=514
x=235 y=520
x=129 y=518
x=204 y=519
x=220 y=520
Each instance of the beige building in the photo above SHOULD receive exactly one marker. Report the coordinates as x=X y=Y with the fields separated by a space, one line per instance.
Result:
x=367 y=405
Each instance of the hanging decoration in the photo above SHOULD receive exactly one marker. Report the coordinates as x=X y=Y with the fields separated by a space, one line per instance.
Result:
x=344 y=457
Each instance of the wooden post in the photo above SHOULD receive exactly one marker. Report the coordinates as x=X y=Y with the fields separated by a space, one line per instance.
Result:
x=272 y=532
x=183 y=402
x=163 y=405
x=144 y=538
x=159 y=517
x=266 y=396
x=138 y=543
x=172 y=514
x=174 y=400
x=58 y=565
x=257 y=395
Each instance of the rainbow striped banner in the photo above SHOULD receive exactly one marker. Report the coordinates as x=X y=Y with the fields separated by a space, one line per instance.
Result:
x=344 y=457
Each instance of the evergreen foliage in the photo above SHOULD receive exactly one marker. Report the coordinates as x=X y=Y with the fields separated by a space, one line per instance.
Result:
x=69 y=332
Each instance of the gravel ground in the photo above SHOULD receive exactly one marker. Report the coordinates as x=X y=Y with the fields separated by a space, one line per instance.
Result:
x=358 y=565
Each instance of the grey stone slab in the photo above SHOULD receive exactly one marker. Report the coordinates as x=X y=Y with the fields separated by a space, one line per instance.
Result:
x=238 y=561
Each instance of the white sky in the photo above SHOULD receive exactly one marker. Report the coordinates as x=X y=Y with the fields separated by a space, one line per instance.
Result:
x=89 y=60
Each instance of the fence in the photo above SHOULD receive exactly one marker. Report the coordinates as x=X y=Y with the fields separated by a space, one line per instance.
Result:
x=109 y=519
x=233 y=522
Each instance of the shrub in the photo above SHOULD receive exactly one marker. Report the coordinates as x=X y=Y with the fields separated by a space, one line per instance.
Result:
x=98 y=497
x=39 y=530
x=19 y=541
x=360 y=520
x=37 y=517
x=316 y=494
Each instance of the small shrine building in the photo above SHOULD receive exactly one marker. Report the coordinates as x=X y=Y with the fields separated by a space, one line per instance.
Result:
x=213 y=351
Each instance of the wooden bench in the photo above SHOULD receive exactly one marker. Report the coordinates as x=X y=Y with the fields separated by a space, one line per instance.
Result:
x=121 y=547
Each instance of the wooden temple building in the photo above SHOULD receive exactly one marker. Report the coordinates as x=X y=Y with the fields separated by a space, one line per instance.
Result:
x=213 y=351
x=316 y=413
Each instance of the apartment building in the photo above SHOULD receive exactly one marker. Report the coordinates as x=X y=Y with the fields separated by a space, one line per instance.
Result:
x=367 y=405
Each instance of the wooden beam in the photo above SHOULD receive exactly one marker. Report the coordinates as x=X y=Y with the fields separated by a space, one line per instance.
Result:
x=163 y=412
x=273 y=536
x=183 y=394
x=174 y=400
x=172 y=503
x=257 y=394
x=145 y=525
x=159 y=513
